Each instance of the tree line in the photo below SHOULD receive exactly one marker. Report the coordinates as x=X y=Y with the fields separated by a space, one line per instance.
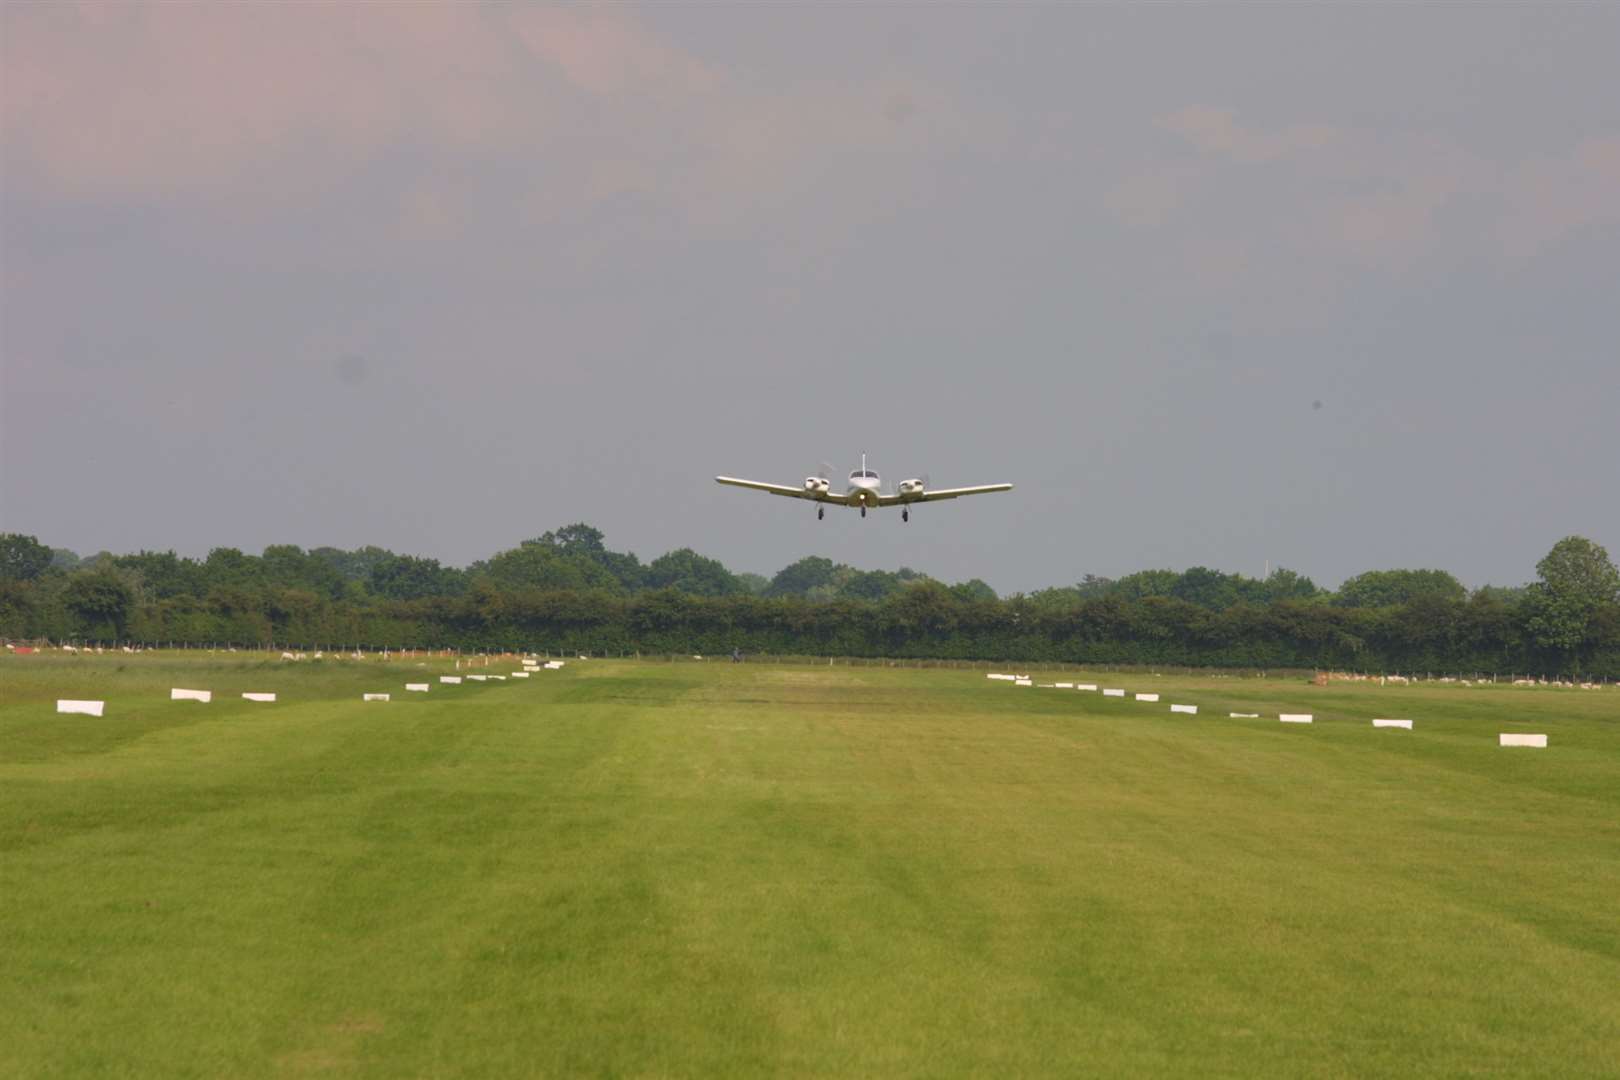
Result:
x=566 y=590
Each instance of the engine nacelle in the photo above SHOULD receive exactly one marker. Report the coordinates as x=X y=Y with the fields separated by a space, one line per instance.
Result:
x=911 y=487
x=817 y=484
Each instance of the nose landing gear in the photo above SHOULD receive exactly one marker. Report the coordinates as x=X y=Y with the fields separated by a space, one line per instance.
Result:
x=905 y=513
x=821 y=512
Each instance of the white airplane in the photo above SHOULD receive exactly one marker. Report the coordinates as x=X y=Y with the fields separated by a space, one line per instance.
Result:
x=863 y=491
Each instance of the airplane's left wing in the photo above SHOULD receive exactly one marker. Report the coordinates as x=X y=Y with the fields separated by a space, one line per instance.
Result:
x=783 y=489
x=940 y=493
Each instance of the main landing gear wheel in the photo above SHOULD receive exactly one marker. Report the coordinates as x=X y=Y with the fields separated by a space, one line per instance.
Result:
x=821 y=512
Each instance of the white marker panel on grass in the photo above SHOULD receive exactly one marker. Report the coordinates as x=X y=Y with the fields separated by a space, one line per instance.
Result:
x=417 y=687
x=1295 y=717
x=554 y=665
x=1147 y=697
x=1063 y=685
x=1113 y=693
x=452 y=679
x=478 y=678
x=88 y=708
x=373 y=697
x=500 y=678
x=1193 y=709
x=260 y=697
x=520 y=674
x=1507 y=739
x=1245 y=716
x=176 y=694
x=1024 y=682
x=1085 y=686
x=1407 y=724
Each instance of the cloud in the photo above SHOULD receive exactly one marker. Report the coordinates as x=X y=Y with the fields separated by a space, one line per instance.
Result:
x=1296 y=205
x=1549 y=198
x=267 y=106
x=1217 y=131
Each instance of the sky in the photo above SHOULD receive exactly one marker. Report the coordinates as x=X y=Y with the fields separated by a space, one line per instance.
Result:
x=1332 y=287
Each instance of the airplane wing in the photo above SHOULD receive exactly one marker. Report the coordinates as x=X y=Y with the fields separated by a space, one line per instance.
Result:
x=783 y=489
x=931 y=494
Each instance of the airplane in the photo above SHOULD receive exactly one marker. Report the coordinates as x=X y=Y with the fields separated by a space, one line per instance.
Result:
x=864 y=491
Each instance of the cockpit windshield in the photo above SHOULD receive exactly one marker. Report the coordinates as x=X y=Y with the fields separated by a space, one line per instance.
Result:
x=863 y=474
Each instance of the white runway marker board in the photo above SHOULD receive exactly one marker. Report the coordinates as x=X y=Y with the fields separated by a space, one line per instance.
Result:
x=87 y=708
x=1245 y=716
x=417 y=687
x=1085 y=686
x=176 y=694
x=1295 y=717
x=1063 y=686
x=478 y=678
x=499 y=678
x=1114 y=693
x=520 y=674
x=1191 y=709
x=453 y=680
x=1521 y=739
x=1407 y=724
x=373 y=697
x=1025 y=682
x=1147 y=697
x=259 y=697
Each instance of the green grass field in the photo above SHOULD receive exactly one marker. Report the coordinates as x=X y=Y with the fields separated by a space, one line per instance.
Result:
x=629 y=869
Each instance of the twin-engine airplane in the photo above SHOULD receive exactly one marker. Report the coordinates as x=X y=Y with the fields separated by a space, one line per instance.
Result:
x=863 y=491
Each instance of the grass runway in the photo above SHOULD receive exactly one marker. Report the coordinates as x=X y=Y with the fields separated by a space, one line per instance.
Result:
x=626 y=869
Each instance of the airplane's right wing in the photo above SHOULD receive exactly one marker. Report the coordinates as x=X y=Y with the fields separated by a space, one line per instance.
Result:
x=783 y=489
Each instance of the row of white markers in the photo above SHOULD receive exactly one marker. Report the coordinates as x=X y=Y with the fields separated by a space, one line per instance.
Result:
x=1503 y=739
x=96 y=708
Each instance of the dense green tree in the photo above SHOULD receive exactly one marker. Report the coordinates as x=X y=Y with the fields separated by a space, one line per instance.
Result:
x=1577 y=579
x=973 y=591
x=165 y=573
x=1146 y=583
x=797 y=579
x=64 y=560
x=578 y=539
x=538 y=565
x=101 y=601
x=353 y=565
x=1208 y=588
x=1581 y=570
x=588 y=542
x=1285 y=584
x=1386 y=588
x=288 y=565
x=1091 y=586
x=22 y=558
x=407 y=577
x=230 y=567
x=686 y=571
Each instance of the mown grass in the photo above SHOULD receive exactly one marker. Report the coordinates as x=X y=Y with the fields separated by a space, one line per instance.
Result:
x=719 y=869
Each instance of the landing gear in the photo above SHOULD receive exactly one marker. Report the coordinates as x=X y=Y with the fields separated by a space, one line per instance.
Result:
x=821 y=512
x=905 y=513
x=863 y=511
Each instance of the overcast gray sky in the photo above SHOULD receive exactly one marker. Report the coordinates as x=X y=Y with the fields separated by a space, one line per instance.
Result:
x=1330 y=286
